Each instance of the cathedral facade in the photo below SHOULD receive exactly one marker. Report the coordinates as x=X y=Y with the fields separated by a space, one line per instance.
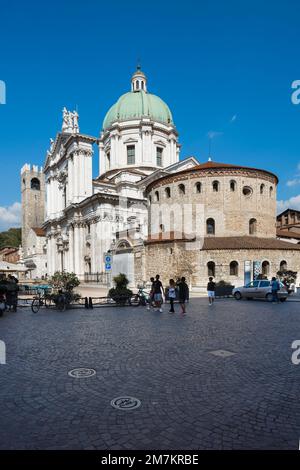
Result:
x=149 y=210
x=86 y=217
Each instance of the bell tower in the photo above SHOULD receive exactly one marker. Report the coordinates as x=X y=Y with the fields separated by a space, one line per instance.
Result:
x=33 y=200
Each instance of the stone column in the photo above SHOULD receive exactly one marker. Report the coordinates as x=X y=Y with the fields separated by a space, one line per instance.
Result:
x=112 y=151
x=70 y=188
x=47 y=199
x=54 y=255
x=77 y=249
x=49 y=258
x=71 y=249
x=82 y=245
x=77 y=176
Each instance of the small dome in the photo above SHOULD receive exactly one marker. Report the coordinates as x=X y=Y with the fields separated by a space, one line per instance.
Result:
x=135 y=105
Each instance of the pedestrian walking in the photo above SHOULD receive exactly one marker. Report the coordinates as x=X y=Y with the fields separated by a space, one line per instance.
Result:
x=183 y=294
x=211 y=288
x=12 y=292
x=158 y=292
x=172 y=294
x=151 y=294
x=293 y=287
x=275 y=288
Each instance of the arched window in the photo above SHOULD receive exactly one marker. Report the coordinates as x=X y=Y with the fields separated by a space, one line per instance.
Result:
x=211 y=269
x=232 y=185
x=35 y=184
x=181 y=189
x=234 y=268
x=150 y=199
x=265 y=268
x=142 y=83
x=283 y=265
x=198 y=187
x=252 y=226
x=216 y=186
x=156 y=194
x=271 y=191
x=167 y=193
x=262 y=188
x=210 y=227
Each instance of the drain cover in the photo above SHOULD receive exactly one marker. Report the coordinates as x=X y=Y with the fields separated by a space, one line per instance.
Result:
x=125 y=403
x=81 y=373
x=222 y=353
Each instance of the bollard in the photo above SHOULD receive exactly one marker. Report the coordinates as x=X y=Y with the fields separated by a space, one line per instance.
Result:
x=90 y=302
x=86 y=304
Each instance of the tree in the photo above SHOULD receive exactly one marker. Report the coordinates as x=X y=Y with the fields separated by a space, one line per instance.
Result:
x=11 y=237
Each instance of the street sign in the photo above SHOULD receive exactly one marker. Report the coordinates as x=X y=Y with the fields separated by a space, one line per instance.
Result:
x=108 y=258
x=107 y=261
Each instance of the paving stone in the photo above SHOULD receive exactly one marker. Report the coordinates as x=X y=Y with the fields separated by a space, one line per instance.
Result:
x=191 y=399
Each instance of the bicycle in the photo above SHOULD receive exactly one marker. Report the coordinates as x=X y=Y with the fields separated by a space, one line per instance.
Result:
x=142 y=297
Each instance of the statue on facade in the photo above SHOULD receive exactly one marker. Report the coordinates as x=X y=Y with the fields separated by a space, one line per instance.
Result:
x=70 y=122
x=75 y=122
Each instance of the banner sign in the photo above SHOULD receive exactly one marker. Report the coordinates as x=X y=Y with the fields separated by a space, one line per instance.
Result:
x=256 y=269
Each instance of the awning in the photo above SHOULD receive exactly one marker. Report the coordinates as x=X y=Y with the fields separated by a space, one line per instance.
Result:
x=12 y=268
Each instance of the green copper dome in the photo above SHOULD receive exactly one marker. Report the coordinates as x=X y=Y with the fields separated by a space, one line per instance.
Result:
x=134 y=105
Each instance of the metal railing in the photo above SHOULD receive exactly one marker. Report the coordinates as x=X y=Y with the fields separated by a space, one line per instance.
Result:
x=99 y=278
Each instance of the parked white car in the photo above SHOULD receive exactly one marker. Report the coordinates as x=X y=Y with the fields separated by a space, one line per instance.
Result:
x=260 y=289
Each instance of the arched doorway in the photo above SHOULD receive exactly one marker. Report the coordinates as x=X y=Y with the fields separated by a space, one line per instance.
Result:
x=123 y=260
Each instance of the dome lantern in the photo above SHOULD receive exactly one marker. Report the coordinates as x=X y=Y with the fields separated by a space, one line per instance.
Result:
x=138 y=80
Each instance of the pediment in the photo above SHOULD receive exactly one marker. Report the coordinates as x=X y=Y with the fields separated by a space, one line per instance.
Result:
x=130 y=140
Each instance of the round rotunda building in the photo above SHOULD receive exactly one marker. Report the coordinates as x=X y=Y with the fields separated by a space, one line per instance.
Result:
x=215 y=220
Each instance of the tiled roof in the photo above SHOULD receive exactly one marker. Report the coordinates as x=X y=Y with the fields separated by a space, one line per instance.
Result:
x=211 y=166
x=226 y=243
x=169 y=236
x=287 y=234
x=247 y=243
x=40 y=232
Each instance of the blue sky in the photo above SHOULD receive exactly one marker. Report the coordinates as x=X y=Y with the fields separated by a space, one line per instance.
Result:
x=224 y=67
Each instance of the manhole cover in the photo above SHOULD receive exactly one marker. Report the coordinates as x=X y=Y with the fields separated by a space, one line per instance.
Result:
x=125 y=403
x=222 y=353
x=81 y=373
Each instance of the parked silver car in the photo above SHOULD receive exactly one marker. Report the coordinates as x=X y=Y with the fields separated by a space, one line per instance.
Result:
x=260 y=289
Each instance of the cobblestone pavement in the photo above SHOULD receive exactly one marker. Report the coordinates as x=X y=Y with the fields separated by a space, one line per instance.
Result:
x=191 y=399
